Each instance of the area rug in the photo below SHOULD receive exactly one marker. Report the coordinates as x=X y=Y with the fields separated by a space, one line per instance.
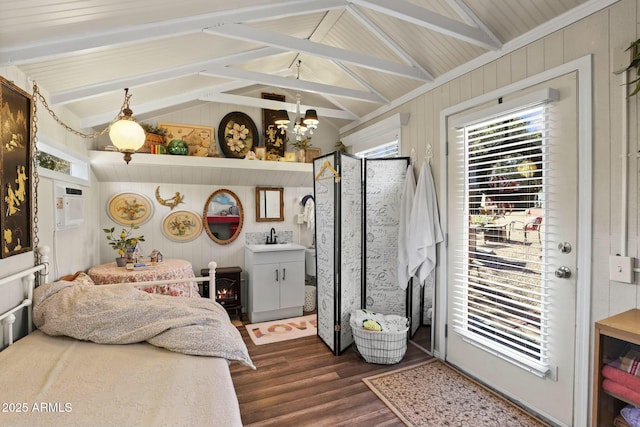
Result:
x=432 y=394
x=282 y=330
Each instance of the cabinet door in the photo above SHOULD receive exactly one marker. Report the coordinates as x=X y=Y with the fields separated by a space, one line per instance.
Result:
x=291 y=284
x=265 y=283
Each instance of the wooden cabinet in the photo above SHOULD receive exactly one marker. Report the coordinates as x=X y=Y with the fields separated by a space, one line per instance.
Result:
x=275 y=283
x=613 y=336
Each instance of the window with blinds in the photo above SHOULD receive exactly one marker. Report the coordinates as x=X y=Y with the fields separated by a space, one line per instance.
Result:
x=390 y=149
x=501 y=296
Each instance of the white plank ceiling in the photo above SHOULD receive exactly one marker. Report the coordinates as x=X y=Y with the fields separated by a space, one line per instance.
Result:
x=358 y=56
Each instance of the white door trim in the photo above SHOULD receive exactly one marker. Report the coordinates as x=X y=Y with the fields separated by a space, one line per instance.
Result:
x=583 y=67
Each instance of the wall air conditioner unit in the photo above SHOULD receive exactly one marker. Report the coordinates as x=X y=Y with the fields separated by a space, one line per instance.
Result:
x=69 y=206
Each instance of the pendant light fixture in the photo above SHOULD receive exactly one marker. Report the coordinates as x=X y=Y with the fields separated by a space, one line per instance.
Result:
x=126 y=134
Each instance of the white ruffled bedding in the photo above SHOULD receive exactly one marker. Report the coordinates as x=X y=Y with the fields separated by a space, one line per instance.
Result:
x=122 y=314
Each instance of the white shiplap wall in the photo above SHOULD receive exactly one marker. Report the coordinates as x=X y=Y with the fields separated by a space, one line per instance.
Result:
x=598 y=34
x=201 y=250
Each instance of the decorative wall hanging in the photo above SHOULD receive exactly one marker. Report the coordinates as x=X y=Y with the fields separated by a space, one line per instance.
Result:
x=130 y=208
x=237 y=134
x=171 y=202
x=182 y=225
x=200 y=139
x=274 y=138
x=15 y=169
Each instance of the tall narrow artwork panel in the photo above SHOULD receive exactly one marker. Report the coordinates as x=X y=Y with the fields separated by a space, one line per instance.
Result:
x=384 y=181
x=325 y=220
x=15 y=169
x=350 y=244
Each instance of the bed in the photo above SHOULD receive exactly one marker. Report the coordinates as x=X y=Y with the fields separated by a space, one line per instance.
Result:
x=51 y=378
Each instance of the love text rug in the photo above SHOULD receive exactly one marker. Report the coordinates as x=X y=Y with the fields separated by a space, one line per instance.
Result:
x=432 y=394
x=282 y=330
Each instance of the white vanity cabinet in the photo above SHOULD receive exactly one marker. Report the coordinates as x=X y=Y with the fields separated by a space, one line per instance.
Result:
x=275 y=281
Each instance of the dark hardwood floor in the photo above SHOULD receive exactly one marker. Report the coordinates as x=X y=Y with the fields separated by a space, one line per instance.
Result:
x=301 y=383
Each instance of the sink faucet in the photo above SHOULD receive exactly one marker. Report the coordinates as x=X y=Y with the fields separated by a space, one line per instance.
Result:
x=272 y=237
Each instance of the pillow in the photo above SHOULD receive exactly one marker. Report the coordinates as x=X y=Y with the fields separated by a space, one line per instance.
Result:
x=70 y=277
x=80 y=277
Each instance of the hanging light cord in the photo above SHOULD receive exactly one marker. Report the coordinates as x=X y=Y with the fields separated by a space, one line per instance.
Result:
x=37 y=95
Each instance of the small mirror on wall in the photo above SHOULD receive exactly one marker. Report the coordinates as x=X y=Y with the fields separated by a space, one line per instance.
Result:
x=269 y=204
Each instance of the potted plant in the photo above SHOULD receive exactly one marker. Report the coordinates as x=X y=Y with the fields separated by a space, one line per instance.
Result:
x=122 y=241
x=155 y=136
x=635 y=64
x=302 y=146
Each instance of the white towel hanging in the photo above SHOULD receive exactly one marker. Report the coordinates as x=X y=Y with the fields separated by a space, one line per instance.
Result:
x=424 y=230
x=404 y=230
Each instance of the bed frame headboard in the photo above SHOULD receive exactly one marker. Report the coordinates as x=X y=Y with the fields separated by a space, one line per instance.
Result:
x=27 y=277
x=8 y=318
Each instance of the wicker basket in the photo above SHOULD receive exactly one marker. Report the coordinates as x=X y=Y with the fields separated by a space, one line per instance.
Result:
x=384 y=348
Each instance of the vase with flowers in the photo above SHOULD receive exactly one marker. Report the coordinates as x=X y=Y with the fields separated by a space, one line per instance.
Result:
x=121 y=242
x=302 y=146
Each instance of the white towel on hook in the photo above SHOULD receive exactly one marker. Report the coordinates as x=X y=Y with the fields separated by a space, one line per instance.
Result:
x=406 y=201
x=308 y=214
x=424 y=227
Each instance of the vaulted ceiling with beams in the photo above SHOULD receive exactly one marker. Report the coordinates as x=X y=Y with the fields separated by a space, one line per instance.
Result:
x=357 y=56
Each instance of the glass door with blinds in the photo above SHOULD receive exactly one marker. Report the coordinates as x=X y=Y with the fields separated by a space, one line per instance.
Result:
x=512 y=200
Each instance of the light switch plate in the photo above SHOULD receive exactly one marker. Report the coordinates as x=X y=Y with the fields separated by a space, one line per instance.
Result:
x=621 y=269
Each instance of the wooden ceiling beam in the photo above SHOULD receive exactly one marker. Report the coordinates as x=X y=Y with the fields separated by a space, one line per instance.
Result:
x=257 y=35
x=425 y=18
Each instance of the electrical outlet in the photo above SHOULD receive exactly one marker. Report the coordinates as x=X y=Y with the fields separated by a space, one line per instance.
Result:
x=300 y=219
x=621 y=269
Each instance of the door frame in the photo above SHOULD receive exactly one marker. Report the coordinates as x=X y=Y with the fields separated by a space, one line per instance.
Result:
x=583 y=68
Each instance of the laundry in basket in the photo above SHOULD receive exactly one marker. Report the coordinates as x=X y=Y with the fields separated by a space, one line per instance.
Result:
x=380 y=338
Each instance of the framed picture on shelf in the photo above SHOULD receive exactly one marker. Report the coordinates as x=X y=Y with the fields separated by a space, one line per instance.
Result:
x=312 y=154
x=237 y=134
x=274 y=138
x=200 y=139
x=260 y=153
x=15 y=169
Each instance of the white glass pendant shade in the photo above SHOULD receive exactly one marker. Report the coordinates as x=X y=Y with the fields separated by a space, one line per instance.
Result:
x=127 y=135
x=299 y=129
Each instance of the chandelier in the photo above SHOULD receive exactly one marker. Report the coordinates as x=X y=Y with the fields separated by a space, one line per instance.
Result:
x=301 y=124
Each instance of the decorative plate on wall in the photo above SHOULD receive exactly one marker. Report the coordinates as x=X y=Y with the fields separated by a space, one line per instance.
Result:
x=182 y=225
x=237 y=135
x=130 y=208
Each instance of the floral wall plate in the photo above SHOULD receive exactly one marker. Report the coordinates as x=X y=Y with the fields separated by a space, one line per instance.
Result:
x=237 y=135
x=130 y=208
x=182 y=225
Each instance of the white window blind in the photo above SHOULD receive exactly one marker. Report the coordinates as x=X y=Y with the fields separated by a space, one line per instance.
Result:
x=387 y=150
x=501 y=294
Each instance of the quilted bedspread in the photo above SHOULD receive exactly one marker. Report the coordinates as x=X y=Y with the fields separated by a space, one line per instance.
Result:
x=122 y=314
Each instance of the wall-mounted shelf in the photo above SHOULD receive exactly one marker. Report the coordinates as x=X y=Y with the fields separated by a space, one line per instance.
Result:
x=109 y=166
x=613 y=336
